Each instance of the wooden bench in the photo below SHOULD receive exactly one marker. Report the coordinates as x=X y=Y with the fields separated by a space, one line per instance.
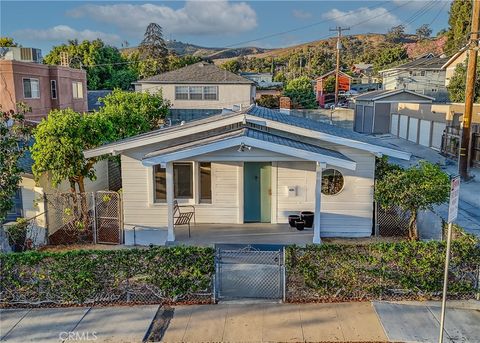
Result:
x=182 y=216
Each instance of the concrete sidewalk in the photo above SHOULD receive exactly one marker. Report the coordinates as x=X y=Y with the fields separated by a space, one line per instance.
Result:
x=267 y=322
x=337 y=322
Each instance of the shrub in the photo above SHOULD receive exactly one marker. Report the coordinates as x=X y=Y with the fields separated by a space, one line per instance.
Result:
x=412 y=270
x=158 y=274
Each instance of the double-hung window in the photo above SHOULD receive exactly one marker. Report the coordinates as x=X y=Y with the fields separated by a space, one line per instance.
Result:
x=196 y=92
x=210 y=93
x=181 y=92
x=53 y=88
x=77 y=90
x=31 y=89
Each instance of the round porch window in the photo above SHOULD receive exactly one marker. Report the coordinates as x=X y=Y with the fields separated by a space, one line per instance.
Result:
x=332 y=182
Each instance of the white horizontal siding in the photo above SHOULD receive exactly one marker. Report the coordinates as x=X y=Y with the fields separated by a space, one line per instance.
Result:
x=348 y=213
x=139 y=210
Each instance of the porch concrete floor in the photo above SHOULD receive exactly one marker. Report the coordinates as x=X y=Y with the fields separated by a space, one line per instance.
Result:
x=257 y=233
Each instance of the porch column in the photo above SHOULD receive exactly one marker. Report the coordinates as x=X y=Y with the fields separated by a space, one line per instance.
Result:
x=169 y=179
x=318 y=202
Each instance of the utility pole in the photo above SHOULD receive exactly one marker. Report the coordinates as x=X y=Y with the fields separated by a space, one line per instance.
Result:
x=339 y=30
x=464 y=153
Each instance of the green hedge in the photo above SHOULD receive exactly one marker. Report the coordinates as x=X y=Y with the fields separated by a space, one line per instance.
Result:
x=165 y=274
x=406 y=270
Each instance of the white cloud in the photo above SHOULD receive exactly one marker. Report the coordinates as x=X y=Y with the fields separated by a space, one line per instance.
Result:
x=196 y=17
x=301 y=14
x=378 y=18
x=64 y=32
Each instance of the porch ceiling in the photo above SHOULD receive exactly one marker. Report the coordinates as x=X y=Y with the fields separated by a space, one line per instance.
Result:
x=250 y=138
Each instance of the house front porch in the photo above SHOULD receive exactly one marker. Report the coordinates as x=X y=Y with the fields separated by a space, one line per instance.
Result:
x=210 y=234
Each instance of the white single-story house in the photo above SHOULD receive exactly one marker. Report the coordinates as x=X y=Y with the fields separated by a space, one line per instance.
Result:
x=254 y=165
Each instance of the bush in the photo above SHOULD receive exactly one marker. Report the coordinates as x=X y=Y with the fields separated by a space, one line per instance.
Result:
x=269 y=101
x=406 y=270
x=17 y=235
x=89 y=276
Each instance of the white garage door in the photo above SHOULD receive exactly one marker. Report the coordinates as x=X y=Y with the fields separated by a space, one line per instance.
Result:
x=402 y=132
x=424 y=137
x=437 y=133
x=394 y=125
x=413 y=130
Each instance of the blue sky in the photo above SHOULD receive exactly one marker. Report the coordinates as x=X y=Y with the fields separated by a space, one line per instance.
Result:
x=210 y=23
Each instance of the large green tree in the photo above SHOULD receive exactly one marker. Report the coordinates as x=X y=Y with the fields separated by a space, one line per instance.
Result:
x=414 y=189
x=459 y=25
x=457 y=84
x=300 y=91
x=14 y=138
x=61 y=138
x=106 y=67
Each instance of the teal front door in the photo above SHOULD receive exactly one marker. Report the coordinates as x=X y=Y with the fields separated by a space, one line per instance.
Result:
x=257 y=192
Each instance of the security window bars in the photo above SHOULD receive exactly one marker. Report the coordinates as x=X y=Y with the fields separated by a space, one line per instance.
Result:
x=196 y=92
x=31 y=89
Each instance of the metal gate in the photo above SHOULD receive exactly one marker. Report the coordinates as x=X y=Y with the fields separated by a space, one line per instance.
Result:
x=249 y=272
x=108 y=213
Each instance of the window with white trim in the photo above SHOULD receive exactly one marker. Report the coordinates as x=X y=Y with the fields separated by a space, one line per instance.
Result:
x=183 y=182
x=196 y=92
x=181 y=92
x=31 y=88
x=53 y=89
x=205 y=169
x=77 y=90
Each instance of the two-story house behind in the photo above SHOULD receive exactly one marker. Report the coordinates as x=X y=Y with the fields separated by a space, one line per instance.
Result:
x=200 y=89
x=425 y=75
x=42 y=87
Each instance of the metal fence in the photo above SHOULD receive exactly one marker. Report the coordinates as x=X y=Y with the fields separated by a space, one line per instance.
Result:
x=249 y=273
x=391 y=222
x=76 y=218
x=25 y=234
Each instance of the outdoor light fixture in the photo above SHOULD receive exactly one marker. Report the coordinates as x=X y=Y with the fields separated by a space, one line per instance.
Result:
x=244 y=147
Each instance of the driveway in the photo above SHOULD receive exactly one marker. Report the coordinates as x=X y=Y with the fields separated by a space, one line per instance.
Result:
x=420 y=322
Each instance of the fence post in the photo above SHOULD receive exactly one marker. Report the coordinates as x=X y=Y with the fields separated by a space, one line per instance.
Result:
x=284 y=276
x=478 y=283
x=94 y=209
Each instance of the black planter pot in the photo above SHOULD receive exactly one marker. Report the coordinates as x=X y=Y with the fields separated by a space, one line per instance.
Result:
x=307 y=216
x=292 y=219
x=300 y=225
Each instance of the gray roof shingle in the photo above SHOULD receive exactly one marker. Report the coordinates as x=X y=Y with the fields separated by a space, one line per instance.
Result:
x=201 y=72
x=425 y=62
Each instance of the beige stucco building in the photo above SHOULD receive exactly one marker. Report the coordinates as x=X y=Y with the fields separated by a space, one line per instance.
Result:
x=200 y=86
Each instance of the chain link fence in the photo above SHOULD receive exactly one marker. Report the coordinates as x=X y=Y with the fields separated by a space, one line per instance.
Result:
x=391 y=222
x=79 y=218
x=249 y=273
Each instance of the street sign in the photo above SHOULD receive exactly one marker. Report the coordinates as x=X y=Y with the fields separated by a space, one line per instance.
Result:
x=454 y=195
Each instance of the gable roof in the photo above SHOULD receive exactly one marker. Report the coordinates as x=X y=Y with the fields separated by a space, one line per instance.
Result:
x=250 y=137
x=263 y=117
x=454 y=57
x=201 y=72
x=332 y=72
x=427 y=61
x=383 y=93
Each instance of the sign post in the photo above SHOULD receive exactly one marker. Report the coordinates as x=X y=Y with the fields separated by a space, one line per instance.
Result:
x=452 y=215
